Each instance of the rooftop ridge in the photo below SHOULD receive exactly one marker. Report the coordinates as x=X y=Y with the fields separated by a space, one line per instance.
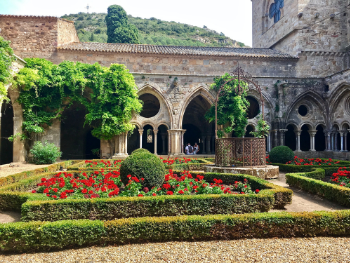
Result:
x=176 y=50
x=38 y=17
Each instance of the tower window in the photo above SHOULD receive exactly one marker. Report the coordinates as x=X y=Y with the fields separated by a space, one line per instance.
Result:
x=275 y=10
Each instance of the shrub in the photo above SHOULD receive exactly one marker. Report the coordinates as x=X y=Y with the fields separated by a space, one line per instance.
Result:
x=141 y=150
x=45 y=153
x=281 y=154
x=43 y=236
x=143 y=165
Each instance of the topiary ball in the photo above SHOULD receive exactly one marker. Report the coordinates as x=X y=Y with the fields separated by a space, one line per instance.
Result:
x=281 y=154
x=143 y=165
x=140 y=150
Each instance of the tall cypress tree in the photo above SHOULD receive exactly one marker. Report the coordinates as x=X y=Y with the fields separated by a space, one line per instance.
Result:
x=118 y=28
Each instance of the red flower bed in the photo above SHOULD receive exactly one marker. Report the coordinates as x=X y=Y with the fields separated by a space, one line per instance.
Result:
x=171 y=161
x=308 y=161
x=341 y=177
x=108 y=184
x=312 y=161
x=102 y=164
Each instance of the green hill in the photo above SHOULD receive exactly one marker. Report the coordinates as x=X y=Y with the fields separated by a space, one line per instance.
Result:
x=92 y=28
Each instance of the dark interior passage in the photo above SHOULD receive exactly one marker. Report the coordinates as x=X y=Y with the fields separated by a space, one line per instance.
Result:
x=249 y=129
x=290 y=138
x=162 y=140
x=197 y=127
x=148 y=138
x=305 y=138
x=77 y=141
x=320 y=139
x=254 y=108
x=133 y=140
x=6 y=147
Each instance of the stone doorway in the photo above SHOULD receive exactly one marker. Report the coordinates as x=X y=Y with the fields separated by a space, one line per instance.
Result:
x=6 y=130
x=148 y=138
x=305 y=138
x=77 y=142
x=320 y=139
x=133 y=140
x=198 y=129
x=162 y=140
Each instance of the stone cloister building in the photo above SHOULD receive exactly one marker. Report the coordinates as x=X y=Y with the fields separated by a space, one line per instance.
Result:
x=299 y=58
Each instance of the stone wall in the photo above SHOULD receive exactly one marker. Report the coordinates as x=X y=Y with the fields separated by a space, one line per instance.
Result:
x=32 y=36
x=66 y=32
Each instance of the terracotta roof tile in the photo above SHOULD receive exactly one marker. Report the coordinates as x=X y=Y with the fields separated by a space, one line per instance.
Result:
x=178 y=50
x=29 y=16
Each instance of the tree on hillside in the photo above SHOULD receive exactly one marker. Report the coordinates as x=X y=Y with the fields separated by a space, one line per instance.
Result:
x=118 y=28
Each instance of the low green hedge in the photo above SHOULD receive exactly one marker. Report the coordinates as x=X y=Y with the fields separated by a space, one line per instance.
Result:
x=122 y=207
x=331 y=192
x=44 y=236
x=20 y=176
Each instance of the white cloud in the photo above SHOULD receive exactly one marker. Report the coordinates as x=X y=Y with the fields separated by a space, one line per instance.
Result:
x=232 y=17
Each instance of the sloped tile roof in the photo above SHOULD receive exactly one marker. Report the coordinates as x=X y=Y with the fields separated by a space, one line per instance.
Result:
x=177 y=50
x=29 y=16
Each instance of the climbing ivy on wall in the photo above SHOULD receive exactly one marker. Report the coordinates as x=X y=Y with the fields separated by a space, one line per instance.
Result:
x=6 y=59
x=232 y=106
x=108 y=94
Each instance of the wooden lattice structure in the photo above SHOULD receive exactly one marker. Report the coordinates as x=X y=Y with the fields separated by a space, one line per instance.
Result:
x=240 y=152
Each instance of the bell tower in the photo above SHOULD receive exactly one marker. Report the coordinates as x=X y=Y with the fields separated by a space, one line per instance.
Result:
x=306 y=25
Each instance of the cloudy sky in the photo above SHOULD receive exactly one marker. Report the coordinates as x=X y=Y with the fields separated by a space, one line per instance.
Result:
x=232 y=17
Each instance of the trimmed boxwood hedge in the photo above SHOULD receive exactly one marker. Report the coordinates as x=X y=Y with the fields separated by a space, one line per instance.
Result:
x=331 y=192
x=44 y=236
x=121 y=207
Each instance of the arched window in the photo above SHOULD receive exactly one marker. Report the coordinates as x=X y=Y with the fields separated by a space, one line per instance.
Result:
x=149 y=136
x=275 y=10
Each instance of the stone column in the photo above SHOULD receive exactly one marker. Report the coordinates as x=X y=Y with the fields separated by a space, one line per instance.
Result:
x=204 y=142
x=163 y=143
x=175 y=141
x=312 y=140
x=121 y=145
x=18 y=145
x=342 y=140
x=155 y=132
x=346 y=141
x=283 y=136
x=141 y=133
x=328 y=141
x=269 y=142
x=298 y=141
x=336 y=141
x=276 y=138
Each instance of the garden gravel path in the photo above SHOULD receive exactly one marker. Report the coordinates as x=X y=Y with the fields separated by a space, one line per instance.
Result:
x=320 y=249
x=305 y=202
x=14 y=168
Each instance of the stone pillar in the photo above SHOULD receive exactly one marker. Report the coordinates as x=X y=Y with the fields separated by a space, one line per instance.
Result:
x=328 y=141
x=342 y=140
x=312 y=140
x=346 y=141
x=155 y=132
x=298 y=141
x=121 y=145
x=204 y=142
x=18 y=145
x=269 y=142
x=275 y=138
x=141 y=133
x=283 y=136
x=175 y=138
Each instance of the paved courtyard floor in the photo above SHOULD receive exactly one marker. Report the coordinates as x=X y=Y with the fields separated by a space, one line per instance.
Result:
x=276 y=250
x=14 y=168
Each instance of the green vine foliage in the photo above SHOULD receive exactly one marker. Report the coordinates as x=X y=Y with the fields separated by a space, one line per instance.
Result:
x=262 y=128
x=232 y=106
x=108 y=94
x=6 y=59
